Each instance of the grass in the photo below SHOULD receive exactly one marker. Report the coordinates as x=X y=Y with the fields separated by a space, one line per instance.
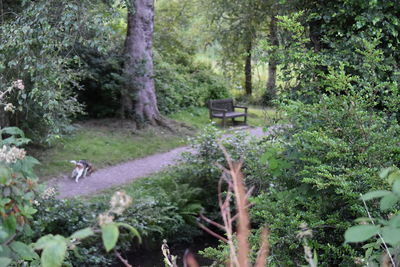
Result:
x=103 y=146
x=199 y=117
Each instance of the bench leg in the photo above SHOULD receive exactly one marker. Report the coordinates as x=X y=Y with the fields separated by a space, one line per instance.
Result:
x=224 y=122
x=245 y=119
x=233 y=121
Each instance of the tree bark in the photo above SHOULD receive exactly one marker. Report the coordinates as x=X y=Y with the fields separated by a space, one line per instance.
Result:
x=139 y=96
x=315 y=34
x=247 y=70
x=272 y=64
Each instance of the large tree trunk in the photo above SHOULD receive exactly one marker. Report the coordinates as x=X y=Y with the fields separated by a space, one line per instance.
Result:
x=139 y=64
x=247 y=70
x=271 y=82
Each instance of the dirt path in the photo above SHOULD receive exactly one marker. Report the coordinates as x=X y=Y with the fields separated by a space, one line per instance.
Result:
x=124 y=172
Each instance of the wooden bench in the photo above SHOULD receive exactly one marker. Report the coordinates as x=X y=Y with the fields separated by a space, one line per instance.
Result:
x=224 y=108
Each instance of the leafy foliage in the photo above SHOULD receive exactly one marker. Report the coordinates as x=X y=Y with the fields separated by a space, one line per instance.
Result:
x=18 y=185
x=385 y=228
x=38 y=48
x=363 y=56
x=343 y=81
x=182 y=85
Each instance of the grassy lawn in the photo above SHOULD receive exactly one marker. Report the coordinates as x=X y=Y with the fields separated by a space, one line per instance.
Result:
x=199 y=117
x=103 y=146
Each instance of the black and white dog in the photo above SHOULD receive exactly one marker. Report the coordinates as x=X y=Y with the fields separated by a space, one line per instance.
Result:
x=82 y=169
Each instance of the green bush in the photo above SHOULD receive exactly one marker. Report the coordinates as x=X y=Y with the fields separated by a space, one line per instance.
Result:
x=46 y=104
x=334 y=151
x=162 y=208
x=180 y=86
x=18 y=187
x=99 y=89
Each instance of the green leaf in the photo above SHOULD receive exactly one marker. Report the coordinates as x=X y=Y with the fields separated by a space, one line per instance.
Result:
x=4 y=262
x=84 y=233
x=315 y=258
x=273 y=163
x=24 y=251
x=395 y=175
x=395 y=221
x=10 y=224
x=360 y=233
x=5 y=251
x=387 y=202
x=391 y=235
x=13 y=131
x=109 y=234
x=132 y=229
x=266 y=156
x=375 y=194
x=396 y=186
x=385 y=172
x=3 y=234
x=43 y=241
x=27 y=211
x=54 y=253
x=5 y=174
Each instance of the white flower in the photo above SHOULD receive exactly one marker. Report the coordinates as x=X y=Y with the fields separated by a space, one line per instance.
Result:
x=49 y=193
x=9 y=107
x=119 y=202
x=11 y=154
x=105 y=218
x=19 y=84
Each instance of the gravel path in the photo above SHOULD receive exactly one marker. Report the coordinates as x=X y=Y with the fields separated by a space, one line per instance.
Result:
x=125 y=172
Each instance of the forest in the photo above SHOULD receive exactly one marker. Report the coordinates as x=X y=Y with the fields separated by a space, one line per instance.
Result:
x=111 y=153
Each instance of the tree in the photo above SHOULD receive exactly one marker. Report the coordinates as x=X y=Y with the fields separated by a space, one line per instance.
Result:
x=237 y=26
x=270 y=93
x=138 y=65
x=38 y=43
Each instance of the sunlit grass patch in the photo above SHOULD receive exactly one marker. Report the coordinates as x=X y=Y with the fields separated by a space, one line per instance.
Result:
x=194 y=117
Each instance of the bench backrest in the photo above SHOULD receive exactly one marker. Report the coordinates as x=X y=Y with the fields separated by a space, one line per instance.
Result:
x=222 y=104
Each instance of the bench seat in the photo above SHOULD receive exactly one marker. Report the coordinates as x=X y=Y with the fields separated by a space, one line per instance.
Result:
x=229 y=114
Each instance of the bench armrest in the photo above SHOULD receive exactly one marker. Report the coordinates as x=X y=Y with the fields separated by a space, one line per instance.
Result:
x=243 y=107
x=212 y=110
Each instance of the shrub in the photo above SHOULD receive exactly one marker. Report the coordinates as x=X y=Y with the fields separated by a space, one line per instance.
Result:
x=334 y=149
x=180 y=86
x=162 y=208
x=46 y=105
x=18 y=185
